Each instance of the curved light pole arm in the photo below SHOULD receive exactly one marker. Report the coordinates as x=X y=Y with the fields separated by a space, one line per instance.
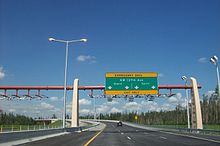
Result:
x=81 y=40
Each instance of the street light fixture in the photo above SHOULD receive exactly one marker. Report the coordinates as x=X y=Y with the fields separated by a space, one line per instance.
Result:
x=184 y=78
x=187 y=100
x=51 y=39
x=214 y=60
x=65 y=72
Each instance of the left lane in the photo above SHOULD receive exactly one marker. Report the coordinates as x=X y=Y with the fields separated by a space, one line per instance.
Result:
x=77 y=139
x=71 y=139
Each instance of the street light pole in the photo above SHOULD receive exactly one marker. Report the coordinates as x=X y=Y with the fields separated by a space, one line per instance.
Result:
x=214 y=60
x=65 y=73
x=217 y=71
x=94 y=108
x=187 y=101
x=64 y=93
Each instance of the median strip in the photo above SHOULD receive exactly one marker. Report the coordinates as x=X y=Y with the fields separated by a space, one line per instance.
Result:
x=93 y=138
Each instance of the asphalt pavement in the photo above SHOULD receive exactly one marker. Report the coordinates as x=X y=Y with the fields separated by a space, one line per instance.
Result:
x=114 y=135
x=72 y=139
x=130 y=136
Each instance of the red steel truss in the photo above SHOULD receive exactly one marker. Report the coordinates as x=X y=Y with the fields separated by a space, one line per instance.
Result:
x=39 y=88
x=84 y=87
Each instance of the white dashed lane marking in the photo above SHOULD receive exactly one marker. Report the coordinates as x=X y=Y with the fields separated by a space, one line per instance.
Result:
x=163 y=137
x=149 y=134
x=146 y=133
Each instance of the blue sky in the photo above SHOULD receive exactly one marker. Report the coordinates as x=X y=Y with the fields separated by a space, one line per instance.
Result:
x=172 y=37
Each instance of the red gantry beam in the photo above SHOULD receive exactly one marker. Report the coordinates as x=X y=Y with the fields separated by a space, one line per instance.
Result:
x=84 y=87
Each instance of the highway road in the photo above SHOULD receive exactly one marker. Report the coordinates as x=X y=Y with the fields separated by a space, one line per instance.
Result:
x=124 y=136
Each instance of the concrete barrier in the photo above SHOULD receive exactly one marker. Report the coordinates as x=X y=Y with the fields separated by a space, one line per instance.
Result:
x=12 y=136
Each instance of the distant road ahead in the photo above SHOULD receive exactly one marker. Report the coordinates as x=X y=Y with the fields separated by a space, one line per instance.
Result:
x=122 y=136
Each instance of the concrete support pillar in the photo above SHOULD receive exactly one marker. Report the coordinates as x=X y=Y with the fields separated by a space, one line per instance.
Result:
x=196 y=108
x=75 y=104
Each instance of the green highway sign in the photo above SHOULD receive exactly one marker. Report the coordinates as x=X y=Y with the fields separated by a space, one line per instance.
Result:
x=131 y=83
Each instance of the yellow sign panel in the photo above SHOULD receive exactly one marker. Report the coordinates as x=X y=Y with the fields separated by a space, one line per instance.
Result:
x=131 y=92
x=136 y=117
x=129 y=75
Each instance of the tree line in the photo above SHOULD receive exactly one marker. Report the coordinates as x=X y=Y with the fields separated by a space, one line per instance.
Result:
x=210 y=107
x=11 y=119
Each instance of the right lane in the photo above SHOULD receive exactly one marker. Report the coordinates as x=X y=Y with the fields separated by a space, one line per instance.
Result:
x=126 y=135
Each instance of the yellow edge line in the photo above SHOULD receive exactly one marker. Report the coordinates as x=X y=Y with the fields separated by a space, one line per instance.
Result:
x=93 y=138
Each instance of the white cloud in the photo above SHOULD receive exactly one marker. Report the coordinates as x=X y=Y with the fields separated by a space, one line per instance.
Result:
x=202 y=60
x=209 y=93
x=24 y=111
x=112 y=103
x=132 y=106
x=153 y=106
x=12 y=110
x=37 y=112
x=33 y=108
x=2 y=73
x=54 y=98
x=166 y=107
x=83 y=58
x=115 y=110
x=172 y=99
x=84 y=102
x=69 y=107
x=103 y=108
x=178 y=95
x=56 y=110
x=107 y=107
x=45 y=105
x=150 y=106
x=177 y=99
x=84 y=111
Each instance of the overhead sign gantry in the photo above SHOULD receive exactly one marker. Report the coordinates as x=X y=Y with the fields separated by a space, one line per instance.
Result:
x=131 y=83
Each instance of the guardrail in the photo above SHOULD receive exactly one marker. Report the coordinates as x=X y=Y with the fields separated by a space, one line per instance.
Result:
x=182 y=130
x=19 y=135
x=15 y=128
x=199 y=131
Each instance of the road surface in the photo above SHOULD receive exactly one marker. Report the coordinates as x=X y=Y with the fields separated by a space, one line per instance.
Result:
x=123 y=136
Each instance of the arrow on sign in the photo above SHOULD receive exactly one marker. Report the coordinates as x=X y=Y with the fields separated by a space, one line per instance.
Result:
x=126 y=87
x=153 y=87
x=136 y=87
x=110 y=87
